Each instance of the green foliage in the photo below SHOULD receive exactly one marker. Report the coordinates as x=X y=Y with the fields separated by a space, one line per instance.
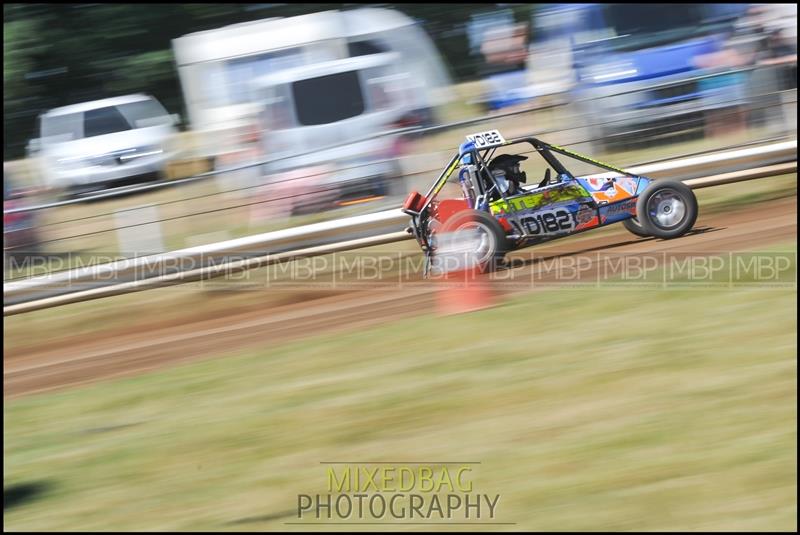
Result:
x=58 y=54
x=17 y=45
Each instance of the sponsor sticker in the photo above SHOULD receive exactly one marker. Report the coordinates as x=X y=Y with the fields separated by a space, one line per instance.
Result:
x=612 y=212
x=599 y=183
x=584 y=214
x=618 y=208
x=536 y=200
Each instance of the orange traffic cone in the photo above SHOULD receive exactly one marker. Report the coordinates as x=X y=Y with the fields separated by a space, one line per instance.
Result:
x=462 y=286
x=461 y=292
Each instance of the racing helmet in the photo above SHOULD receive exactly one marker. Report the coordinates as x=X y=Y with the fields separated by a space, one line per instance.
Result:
x=505 y=168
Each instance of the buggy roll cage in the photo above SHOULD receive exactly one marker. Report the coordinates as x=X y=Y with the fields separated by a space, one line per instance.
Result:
x=481 y=157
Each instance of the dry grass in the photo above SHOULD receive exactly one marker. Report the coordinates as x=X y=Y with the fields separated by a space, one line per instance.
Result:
x=589 y=409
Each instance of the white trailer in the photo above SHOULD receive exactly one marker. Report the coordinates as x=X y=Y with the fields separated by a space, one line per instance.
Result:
x=217 y=67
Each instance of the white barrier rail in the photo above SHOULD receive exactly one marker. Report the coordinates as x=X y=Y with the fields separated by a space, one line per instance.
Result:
x=411 y=131
x=107 y=279
x=202 y=273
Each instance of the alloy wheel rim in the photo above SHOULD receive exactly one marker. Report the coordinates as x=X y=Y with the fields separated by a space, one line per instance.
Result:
x=667 y=209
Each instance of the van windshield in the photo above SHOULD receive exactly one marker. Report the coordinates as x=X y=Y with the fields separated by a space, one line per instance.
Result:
x=103 y=121
x=328 y=99
x=107 y=120
x=630 y=27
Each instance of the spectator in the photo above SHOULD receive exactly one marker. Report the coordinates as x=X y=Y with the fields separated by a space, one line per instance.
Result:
x=724 y=95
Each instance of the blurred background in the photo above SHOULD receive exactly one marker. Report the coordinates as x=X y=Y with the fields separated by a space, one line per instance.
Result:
x=301 y=113
x=612 y=404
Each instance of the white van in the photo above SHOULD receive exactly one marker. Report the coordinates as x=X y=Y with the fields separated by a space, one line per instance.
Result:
x=329 y=114
x=104 y=143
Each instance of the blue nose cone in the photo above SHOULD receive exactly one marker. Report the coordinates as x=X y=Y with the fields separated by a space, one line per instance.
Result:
x=465 y=151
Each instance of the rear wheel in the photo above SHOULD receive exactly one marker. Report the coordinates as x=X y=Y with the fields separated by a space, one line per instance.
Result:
x=474 y=239
x=667 y=209
x=634 y=227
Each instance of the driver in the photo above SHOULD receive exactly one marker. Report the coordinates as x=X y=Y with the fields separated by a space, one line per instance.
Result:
x=507 y=173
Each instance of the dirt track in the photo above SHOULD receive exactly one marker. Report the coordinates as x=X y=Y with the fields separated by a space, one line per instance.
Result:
x=113 y=353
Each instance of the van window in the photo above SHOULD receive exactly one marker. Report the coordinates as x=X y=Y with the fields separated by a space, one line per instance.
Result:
x=631 y=27
x=635 y=19
x=144 y=113
x=104 y=121
x=328 y=99
x=365 y=48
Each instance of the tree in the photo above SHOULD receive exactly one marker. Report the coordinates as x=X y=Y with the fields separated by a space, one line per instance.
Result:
x=20 y=46
x=58 y=54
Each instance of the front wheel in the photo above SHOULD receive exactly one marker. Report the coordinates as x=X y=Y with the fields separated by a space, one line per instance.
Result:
x=470 y=238
x=667 y=209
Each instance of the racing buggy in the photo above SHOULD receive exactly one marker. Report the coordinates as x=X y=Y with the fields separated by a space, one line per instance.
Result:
x=500 y=212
